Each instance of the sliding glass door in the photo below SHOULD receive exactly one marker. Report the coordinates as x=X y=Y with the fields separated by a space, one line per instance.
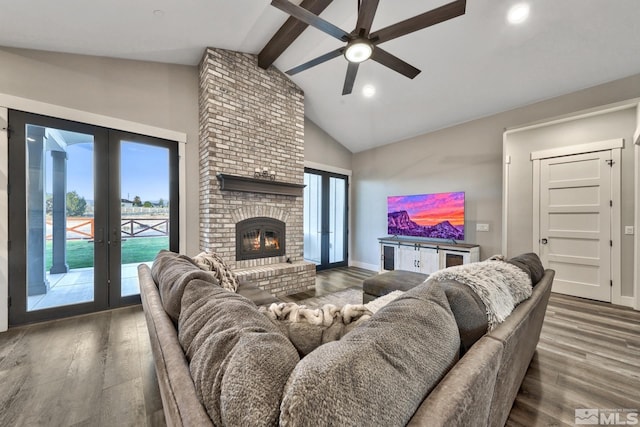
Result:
x=75 y=240
x=325 y=218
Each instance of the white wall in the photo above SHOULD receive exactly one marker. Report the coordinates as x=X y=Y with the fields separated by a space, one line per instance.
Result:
x=466 y=157
x=321 y=148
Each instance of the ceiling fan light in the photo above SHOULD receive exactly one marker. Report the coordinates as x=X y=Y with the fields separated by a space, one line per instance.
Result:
x=358 y=51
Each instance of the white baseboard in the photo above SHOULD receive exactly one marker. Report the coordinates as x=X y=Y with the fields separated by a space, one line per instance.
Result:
x=372 y=267
x=628 y=302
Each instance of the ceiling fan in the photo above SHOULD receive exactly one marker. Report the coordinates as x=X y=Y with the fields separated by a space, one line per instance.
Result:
x=361 y=43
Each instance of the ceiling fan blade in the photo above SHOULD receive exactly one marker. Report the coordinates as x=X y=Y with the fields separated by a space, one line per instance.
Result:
x=365 y=17
x=309 y=18
x=350 y=79
x=396 y=64
x=288 y=33
x=427 y=19
x=316 y=61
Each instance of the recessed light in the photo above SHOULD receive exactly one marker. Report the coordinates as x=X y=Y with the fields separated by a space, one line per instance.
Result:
x=368 y=91
x=518 y=13
x=158 y=12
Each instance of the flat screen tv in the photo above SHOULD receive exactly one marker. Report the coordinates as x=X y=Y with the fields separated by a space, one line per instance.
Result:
x=433 y=216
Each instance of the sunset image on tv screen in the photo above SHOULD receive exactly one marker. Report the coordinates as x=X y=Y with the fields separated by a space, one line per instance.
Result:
x=438 y=215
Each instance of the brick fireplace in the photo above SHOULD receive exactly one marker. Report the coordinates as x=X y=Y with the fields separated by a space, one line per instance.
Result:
x=252 y=120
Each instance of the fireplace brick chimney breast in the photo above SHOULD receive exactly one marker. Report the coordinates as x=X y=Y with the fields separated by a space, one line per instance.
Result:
x=251 y=119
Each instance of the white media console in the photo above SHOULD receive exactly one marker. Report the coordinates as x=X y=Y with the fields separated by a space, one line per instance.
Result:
x=423 y=256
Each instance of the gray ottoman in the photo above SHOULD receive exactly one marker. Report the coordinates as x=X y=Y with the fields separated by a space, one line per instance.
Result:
x=385 y=283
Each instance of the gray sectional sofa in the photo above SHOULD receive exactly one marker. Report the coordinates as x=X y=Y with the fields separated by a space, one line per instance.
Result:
x=418 y=361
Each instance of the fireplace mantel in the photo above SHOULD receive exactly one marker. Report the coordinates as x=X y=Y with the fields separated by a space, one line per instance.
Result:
x=254 y=185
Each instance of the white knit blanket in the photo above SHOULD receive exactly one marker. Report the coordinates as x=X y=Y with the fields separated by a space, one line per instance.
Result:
x=321 y=316
x=501 y=286
x=380 y=302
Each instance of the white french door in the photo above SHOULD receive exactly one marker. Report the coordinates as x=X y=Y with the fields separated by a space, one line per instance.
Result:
x=575 y=223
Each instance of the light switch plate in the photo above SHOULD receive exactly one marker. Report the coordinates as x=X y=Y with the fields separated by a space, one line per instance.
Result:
x=482 y=227
x=628 y=229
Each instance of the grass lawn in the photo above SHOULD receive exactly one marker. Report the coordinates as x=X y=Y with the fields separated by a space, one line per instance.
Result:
x=136 y=250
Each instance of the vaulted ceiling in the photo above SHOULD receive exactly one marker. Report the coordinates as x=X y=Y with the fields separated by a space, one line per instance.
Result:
x=472 y=66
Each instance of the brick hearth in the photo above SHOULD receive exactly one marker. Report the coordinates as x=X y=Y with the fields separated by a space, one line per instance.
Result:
x=251 y=118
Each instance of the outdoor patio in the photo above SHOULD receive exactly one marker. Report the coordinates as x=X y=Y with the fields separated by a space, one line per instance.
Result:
x=76 y=287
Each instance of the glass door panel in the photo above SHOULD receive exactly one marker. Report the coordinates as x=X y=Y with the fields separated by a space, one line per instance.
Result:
x=325 y=218
x=312 y=218
x=57 y=254
x=60 y=218
x=337 y=219
x=144 y=208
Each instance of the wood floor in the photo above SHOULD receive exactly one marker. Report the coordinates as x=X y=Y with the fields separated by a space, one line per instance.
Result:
x=97 y=370
x=588 y=357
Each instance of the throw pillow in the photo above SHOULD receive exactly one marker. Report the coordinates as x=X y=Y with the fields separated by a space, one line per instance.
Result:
x=172 y=272
x=469 y=311
x=530 y=263
x=213 y=262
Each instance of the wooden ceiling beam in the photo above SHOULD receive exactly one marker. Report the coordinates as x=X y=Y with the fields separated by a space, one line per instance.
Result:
x=288 y=33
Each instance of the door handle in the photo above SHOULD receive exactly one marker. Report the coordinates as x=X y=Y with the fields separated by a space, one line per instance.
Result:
x=116 y=235
x=544 y=241
x=101 y=234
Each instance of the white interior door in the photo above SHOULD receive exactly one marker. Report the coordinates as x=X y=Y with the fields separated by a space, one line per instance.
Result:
x=575 y=223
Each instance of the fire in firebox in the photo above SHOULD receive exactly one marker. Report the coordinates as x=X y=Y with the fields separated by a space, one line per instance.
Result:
x=259 y=238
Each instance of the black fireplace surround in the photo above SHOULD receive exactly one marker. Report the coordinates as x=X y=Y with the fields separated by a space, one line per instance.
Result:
x=259 y=237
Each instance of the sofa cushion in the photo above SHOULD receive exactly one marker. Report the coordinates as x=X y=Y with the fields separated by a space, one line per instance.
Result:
x=238 y=359
x=531 y=264
x=172 y=272
x=469 y=311
x=378 y=373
